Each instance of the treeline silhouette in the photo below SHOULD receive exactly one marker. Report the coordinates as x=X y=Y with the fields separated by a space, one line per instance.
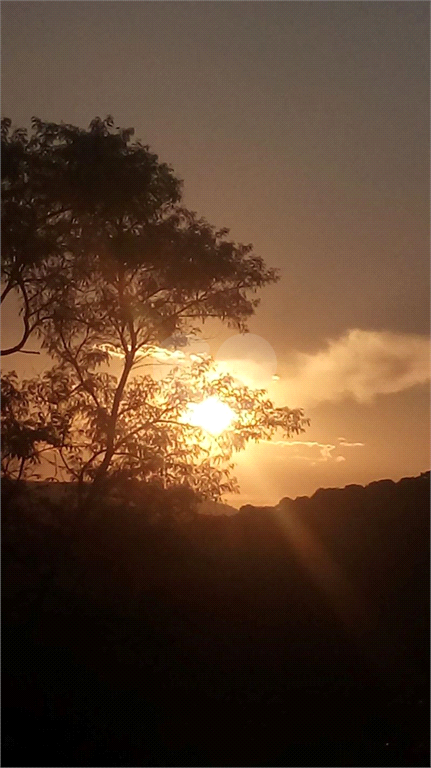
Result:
x=147 y=634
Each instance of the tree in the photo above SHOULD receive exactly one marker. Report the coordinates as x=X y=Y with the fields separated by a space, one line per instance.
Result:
x=108 y=261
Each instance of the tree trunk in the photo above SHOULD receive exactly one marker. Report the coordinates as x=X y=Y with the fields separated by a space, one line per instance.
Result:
x=102 y=470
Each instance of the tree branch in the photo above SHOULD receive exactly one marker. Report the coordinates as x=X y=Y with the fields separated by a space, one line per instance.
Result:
x=27 y=327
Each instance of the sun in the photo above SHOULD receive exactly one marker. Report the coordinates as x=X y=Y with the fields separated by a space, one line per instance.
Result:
x=210 y=414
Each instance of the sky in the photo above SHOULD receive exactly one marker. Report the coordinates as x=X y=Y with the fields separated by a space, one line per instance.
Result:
x=304 y=128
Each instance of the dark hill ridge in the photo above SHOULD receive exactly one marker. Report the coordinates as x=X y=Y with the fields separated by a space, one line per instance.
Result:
x=288 y=635
x=349 y=491
x=378 y=536
x=385 y=519
x=350 y=494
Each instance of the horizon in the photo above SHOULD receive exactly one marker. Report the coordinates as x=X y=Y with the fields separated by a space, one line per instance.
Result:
x=222 y=503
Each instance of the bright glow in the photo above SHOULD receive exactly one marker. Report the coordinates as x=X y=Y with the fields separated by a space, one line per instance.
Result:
x=211 y=415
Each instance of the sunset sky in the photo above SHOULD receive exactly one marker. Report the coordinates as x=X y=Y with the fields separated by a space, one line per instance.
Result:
x=304 y=128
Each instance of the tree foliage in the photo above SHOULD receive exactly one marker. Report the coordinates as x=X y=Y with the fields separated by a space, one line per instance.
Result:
x=91 y=211
x=109 y=263
x=154 y=440
x=28 y=428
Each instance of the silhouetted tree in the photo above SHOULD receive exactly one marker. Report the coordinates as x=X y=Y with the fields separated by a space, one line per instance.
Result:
x=108 y=262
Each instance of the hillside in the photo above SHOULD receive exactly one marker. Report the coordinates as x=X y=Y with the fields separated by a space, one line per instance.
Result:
x=287 y=635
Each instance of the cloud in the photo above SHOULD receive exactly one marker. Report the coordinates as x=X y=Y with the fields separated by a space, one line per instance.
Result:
x=315 y=452
x=318 y=451
x=345 y=444
x=359 y=365
x=149 y=351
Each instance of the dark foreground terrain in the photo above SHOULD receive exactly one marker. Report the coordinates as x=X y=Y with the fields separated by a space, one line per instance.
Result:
x=287 y=636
